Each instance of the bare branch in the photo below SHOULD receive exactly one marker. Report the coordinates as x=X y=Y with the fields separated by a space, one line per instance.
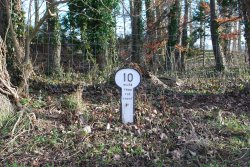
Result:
x=58 y=2
x=43 y=19
x=13 y=33
x=51 y=14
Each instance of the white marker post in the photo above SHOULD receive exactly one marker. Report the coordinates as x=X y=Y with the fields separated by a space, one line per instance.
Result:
x=127 y=79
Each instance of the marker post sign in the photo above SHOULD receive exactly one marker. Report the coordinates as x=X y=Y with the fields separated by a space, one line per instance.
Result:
x=127 y=79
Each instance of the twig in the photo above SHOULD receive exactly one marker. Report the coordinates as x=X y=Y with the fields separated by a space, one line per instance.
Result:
x=7 y=144
x=14 y=138
x=17 y=122
x=243 y=156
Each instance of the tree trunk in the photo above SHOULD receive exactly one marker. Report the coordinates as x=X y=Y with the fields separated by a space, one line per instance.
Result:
x=151 y=37
x=137 y=30
x=3 y=71
x=5 y=85
x=54 y=57
x=124 y=19
x=179 y=36
x=191 y=28
x=172 y=34
x=227 y=43
x=36 y=5
x=6 y=90
x=245 y=5
x=234 y=43
x=239 y=48
x=150 y=19
x=21 y=50
x=13 y=56
x=219 y=57
x=184 y=35
x=101 y=59
x=227 y=28
x=3 y=20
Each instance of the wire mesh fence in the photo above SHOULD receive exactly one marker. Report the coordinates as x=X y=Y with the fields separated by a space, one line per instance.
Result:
x=79 y=56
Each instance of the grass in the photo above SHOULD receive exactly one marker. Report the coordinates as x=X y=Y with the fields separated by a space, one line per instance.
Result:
x=234 y=125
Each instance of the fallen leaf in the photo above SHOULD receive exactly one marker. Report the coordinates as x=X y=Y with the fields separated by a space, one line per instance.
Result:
x=163 y=136
x=87 y=129
x=176 y=154
x=108 y=126
x=117 y=157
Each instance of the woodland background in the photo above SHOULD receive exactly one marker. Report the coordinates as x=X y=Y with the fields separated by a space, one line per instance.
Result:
x=60 y=105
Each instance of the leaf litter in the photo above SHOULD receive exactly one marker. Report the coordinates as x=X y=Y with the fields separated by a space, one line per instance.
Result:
x=175 y=126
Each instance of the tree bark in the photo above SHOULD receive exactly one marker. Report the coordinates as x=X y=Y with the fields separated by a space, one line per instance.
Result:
x=152 y=58
x=172 y=34
x=5 y=85
x=150 y=19
x=3 y=71
x=179 y=36
x=54 y=57
x=245 y=6
x=219 y=57
x=36 y=5
x=137 y=30
x=3 y=21
x=6 y=90
x=239 y=48
x=227 y=28
x=185 y=35
x=227 y=43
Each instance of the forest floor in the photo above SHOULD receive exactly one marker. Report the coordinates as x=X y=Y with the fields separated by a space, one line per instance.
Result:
x=201 y=121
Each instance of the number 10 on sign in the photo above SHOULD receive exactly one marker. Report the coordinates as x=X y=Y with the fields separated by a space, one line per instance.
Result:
x=128 y=77
x=127 y=80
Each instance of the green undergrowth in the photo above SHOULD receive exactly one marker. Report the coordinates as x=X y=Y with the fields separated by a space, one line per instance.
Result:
x=207 y=81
